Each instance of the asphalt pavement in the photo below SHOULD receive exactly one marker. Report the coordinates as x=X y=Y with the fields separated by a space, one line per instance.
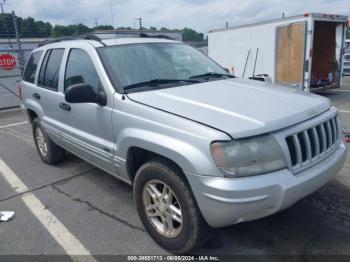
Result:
x=75 y=208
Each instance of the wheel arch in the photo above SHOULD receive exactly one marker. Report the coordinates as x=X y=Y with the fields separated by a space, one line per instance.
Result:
x=137 y=156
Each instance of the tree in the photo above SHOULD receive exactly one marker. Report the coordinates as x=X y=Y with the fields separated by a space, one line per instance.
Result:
x=124 y=28
x=60 y=30
x=102 y=27
x=29 y=28
x=44 y=29
x=77 y=29
x=191 y=35
x=6 y=26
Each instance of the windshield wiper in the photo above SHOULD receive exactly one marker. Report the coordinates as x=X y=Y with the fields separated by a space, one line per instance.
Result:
x=212 y=75
x=157 y=82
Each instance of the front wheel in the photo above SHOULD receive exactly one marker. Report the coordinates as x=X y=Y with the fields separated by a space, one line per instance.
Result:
x=167 y=208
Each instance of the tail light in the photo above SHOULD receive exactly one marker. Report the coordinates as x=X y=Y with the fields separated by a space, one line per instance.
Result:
x=347 y=135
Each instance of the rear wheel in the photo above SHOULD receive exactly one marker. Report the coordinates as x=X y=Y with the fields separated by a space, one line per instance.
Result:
x=48 y=151
x=167 y=207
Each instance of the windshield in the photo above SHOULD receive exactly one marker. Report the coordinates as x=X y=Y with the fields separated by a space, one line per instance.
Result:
x=130 y=65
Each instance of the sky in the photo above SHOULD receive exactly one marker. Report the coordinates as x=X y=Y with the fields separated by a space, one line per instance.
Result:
x=201 y=15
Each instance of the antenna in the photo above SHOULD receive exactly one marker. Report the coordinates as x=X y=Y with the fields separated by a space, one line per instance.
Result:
x=111 y=9
x=256 y=58
x=246 y=62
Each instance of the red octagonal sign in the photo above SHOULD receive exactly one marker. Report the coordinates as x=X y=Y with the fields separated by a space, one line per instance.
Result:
x=7 y=62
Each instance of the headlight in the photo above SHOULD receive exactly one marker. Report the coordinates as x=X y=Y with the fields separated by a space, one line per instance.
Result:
x=246 y=157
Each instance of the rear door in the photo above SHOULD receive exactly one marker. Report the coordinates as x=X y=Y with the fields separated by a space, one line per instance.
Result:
x=290 y=54
x=47 y=92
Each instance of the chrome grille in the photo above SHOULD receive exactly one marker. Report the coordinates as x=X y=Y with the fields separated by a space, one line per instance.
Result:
x=307 y=146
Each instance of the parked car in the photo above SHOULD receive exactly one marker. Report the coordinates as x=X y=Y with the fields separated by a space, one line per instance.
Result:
x=201 y=148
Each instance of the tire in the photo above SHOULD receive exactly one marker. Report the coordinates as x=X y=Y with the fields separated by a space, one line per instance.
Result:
x=185 y=236
x=51 y=153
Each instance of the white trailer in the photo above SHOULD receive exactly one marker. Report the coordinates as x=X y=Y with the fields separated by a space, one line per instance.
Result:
x=303 y=51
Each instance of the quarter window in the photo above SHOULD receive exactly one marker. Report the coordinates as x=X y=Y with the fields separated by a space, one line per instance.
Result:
x=50 y=69
x=80 y=69
x=32 y=64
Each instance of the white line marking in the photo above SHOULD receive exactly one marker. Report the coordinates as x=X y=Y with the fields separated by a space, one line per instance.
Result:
x=58 y=231
x=15 y=124
x=344 y=111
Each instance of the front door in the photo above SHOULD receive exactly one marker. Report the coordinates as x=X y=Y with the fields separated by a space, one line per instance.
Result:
x=86 y=127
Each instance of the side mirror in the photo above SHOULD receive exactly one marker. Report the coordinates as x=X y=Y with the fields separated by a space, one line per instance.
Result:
x=84 y=93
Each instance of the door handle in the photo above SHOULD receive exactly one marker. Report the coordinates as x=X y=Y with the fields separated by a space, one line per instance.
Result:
x=36 y=95
x=65 y=106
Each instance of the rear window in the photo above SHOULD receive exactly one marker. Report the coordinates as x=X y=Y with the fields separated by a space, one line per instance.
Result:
x=32 y=65
x=50 y=69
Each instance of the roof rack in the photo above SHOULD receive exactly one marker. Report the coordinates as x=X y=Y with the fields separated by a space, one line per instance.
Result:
x=156 y=36
x=73 y=37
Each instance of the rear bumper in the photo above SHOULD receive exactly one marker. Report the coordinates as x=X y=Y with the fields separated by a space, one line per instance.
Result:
x=227 y=201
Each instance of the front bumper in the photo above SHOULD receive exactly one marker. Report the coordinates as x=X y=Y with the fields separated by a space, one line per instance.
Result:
x=227 y=201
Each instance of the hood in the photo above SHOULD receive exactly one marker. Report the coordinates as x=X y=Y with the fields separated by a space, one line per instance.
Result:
x=238 y=107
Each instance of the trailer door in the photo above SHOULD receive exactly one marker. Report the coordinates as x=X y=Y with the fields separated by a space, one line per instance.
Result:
x=290 y=54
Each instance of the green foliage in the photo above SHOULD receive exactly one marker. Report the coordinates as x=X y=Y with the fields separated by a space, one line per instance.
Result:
x=189 y=34
x=44 y=28
x=29 y=27
x=6 y=25
x=102 y=27
x=124 y=28
x=62 y=30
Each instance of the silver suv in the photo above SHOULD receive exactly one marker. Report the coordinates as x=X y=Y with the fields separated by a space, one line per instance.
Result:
x=201 y=148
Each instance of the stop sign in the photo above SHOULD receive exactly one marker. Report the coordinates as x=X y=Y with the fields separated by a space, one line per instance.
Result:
x=7 y=61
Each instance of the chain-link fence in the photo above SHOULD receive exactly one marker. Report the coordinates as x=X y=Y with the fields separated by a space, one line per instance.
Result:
x=10 y=75
x=11 y=68
x=13 y=54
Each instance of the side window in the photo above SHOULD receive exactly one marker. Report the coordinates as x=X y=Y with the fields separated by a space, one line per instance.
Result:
x=80 y=69
x=32 y=64
x=50 y=69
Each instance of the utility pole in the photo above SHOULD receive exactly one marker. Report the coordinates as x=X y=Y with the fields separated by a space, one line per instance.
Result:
x=20 y=53
x=111 y=9
x=2 y=2
x=140 y=24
